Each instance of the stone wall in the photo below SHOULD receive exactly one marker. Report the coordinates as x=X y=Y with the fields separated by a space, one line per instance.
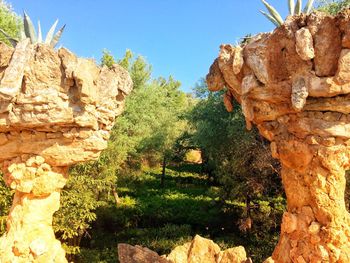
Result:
x=294 y=85
x=56 y=110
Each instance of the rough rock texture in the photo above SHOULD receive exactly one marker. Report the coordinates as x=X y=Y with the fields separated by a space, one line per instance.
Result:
x=55 y=110
x=138 y=254
x=300 y=101
x=200 y=250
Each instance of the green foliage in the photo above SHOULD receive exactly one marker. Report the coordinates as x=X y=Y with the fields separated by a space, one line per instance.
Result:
x=5 y=203
x=333 y=6
x=107 y=59
x=28 y=31
x=10 y=23
x=163 y=218
x=158 y=218
x=105 y=255
x=148 y=128
x=241 y=163
x=153 y=117
x=294 y=9
x=89 y=187
x=274 y=15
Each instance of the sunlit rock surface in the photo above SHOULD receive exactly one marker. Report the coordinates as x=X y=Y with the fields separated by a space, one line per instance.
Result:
x=294 y=85
x=55 y=110
x=199 y=250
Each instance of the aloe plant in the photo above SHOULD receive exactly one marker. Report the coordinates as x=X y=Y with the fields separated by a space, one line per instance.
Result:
x=295 y=8
x=28 y=31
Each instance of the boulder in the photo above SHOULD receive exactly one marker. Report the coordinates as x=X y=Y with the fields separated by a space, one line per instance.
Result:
x=138 y=254
x=180 y=253
x=199 y=250
x=202 y=250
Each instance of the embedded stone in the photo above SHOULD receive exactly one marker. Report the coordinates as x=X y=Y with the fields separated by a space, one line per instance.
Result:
x=304 y=44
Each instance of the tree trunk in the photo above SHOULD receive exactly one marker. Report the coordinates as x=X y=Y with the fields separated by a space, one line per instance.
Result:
x=162 y=178
x=116 y=196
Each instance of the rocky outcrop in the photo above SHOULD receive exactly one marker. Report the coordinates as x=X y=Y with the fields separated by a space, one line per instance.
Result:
x=200 y=250
x=294 y=85
x=134 y=254
x=56 y=110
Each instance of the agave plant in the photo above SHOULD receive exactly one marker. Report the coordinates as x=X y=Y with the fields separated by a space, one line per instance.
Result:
x=28 y=31
x=294 y=9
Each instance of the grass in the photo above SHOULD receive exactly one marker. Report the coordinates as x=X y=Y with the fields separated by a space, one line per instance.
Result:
x=163 y=218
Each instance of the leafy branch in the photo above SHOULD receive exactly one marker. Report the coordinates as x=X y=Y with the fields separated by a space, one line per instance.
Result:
x=28 y=31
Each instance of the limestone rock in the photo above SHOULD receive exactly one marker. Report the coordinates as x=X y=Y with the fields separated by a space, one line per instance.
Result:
x=180 y=253
x=255 y=54
x=228 y=101
x=199 y=250
x=5 y=56
x=202 y=250
x=11 y=81
x=138 y=254
x=57 y=102
x=269 y=260
x=237 y=60
x=300 y=101
x=343 y=21
x=304 y=44
x=237 y=255
x=327 y=43
x=299 y=94
x=343 y=73
x=249 y=83
x=229 y=61
x=215 y=78
x=55 y=110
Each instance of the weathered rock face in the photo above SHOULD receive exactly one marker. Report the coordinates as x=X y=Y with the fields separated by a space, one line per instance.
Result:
x=200 y=250
x=135 y=254
x=55 y=110
x=294 y=85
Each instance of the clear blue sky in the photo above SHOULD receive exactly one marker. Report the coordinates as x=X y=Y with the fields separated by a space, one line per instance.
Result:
x=177 y=37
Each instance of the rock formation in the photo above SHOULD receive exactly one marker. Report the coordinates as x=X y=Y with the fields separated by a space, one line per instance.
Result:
x=199 y=250
x=294 y=85
x=55 y=110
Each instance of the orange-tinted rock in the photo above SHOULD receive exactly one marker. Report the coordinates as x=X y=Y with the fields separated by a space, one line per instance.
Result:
x=343 y=21
x=303 y=107
x=56 y=110
x=138 y=254
x=304 y=44
x=236 y=255
x=180 y=253
x=228 y=101
x=199 y=250
x=343 y=73
x=215 y=80
x=202 y=250
x=327 y=41
x=230 y=60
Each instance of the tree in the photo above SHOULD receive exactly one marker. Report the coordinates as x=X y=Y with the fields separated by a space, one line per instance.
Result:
x=148 y=128
x=107 y=59
x=10 y=22
x=332 y=6
x=238 y=160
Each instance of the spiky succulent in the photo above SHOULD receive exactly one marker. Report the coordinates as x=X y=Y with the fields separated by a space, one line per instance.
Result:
x=294 y=9
x=28 y=31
